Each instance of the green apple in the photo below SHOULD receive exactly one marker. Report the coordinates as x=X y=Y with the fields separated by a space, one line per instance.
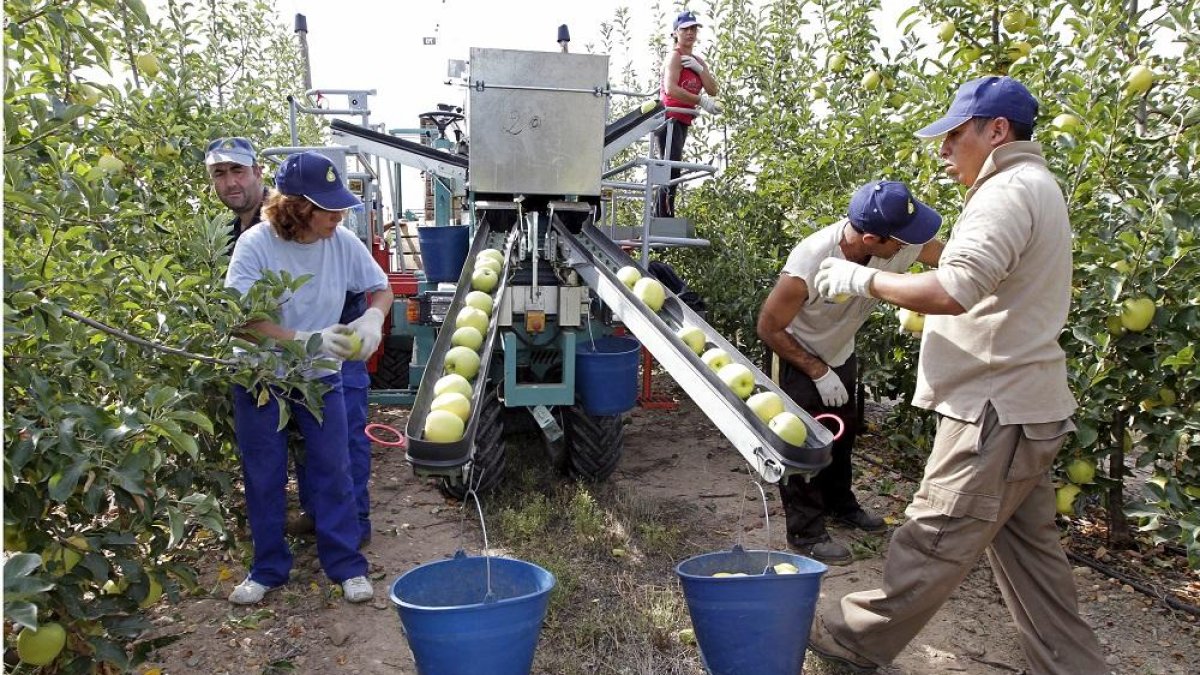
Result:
x=479 y=300
x=484 y=279
x=1137 y=313
x=452 y=383
x=650 y=292
x=453 y=402
x=790 y=428
x=786 y=568
x=153 y=594
x=473 y=317
x=355 y=346
x=491 y=253
x=88 y=95
x=716 y=358
x=1114 y=325
x=1019 y=49
x=765 y=404
x=837 y=62
x=913 y=322
x=896 y=100
x=871 y=80
x=166 y=151
x=841 y=298
x=443 y=426
x=946 y=30
x=1081 y=471
x=110 y=164
x=148 y=64
x=1192 y=491
x=1064 y=498
x=1167 y=396
x=629 y=276
x=1066 y=123
x=738 y=378
x=489 y=263
x=1139 y=79
x=467 y=336
x=1014 y=20
x=693 y=337
x=463 y=361
x=41 y=646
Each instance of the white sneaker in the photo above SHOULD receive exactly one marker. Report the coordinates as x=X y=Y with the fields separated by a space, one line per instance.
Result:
x=249 y=592
x=357 y=589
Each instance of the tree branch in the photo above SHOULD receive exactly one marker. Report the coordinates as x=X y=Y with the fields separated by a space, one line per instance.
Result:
x=146 y=343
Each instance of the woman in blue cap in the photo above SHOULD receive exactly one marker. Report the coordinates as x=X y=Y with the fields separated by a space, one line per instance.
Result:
x=300 y=236
x=687 y=82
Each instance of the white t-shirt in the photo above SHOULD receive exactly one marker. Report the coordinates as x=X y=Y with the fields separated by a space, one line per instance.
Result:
x=338 y=265
x=823 y=328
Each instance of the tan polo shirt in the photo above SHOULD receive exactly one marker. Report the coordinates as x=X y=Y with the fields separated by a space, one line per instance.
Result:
x=1008 y=263
x=827 y=329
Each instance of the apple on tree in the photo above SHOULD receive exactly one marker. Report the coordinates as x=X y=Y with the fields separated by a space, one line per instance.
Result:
x=765 y=404
x=148 y=64
x=475 y=318
x=946 y=30
x=789 y=427
x=1014 y=20
x=1137 y=313
x=738 y=378
x=1139 y=79
x=453 y=402
x=837 y=62
x=443 y=426
x=1066 y=123
x=463 y=361
x=479 y=300
x=1064 y=498
x=452 y=383
x=716 y=358
x=871 y=80
x=650 y=292
x=1081 y=471
x=693 y=337
x=40 y=646
x=467 y=336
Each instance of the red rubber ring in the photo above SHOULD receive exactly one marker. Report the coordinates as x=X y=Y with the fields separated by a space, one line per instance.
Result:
x=401 y=443
x=841 y=425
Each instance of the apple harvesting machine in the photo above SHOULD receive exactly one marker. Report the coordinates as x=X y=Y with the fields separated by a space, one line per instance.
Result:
x=539 y=187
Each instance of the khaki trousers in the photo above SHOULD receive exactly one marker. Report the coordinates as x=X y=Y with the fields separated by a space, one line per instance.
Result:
x=986 y=488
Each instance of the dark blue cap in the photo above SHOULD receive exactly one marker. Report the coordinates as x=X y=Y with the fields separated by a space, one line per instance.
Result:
x=234 y=149
x=991 y=96
x=313 y=176
x=686 y=19
x=886 y=208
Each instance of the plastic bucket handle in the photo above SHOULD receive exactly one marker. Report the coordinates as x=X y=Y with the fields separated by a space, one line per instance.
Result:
x=398 y=443
x=841 y=424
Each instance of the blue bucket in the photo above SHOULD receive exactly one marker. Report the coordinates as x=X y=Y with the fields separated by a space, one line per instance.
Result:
x=752 y=625
x=606 y=374
x=455 y=628
x=443 y=251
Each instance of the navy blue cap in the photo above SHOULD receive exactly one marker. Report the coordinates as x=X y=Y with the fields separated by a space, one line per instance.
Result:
x=991 y=96
x=313 y=176
x=234 y=149
x=686 y=19
x=886 y=208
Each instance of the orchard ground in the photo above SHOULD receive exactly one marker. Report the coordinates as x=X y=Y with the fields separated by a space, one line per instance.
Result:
x=680 y=490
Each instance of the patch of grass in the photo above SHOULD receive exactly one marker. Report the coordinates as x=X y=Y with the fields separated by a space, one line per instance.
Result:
x=586 y=516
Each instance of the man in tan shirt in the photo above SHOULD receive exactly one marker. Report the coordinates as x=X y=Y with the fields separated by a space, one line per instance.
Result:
x=992 y=368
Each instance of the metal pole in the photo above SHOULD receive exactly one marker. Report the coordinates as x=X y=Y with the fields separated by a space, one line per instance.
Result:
x=302 y=36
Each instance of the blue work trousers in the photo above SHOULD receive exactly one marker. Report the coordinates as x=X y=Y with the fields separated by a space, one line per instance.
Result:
x=356 y=383
x=264 y=455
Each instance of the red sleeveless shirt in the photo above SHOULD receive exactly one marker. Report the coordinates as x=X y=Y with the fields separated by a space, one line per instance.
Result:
x=688 y=81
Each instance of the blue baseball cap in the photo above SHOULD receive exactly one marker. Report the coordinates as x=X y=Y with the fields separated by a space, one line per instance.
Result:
x=886 y=208
x=313 y=176
x=991 y=96
x=232 y=149
x=686 y=19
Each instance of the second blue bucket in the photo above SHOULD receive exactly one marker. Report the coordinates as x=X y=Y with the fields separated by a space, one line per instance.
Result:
x=755 y=624
x=443 y=251
x=606 y=374
x=455 y=626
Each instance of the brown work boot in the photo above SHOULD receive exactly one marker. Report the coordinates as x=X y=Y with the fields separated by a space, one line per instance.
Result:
x=861 y=519
x=822 y=549
x=822 y=643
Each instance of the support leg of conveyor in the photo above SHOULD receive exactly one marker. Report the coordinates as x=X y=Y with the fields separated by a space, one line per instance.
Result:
x=648 y=399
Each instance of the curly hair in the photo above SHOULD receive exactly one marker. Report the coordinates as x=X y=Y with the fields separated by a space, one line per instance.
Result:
x=290 y=215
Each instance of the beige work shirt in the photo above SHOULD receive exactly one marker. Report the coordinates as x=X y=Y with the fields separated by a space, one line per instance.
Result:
x=1008 y=263
x=826 y=329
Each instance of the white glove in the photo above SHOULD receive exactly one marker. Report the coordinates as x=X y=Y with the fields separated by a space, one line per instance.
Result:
x=369 y=327
x=335 y=341
x=833 y=392
x=692 y=63
x=709 y=104
x=842 y=277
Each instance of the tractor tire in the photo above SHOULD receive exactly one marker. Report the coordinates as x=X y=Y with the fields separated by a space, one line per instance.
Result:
x=593 y=443
x=392 y=370
x=489 y=457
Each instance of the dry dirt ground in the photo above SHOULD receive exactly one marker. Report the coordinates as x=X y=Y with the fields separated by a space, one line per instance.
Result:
x=671 y=457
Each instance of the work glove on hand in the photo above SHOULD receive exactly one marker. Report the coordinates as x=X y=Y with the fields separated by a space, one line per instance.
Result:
x=833 y=392
x=335 y=340
x=709 y=104
x=842 y=277
x=692 y=63
x=369 y=328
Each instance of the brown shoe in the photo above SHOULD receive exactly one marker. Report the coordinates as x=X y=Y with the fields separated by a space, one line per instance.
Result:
x=822 y=643
x=300 y=524
x=823 y=550
x=862 y=519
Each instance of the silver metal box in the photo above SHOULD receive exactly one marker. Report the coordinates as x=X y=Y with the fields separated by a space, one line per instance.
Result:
x=536 y=121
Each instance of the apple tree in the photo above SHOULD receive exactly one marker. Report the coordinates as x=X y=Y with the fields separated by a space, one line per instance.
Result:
x=118 y=353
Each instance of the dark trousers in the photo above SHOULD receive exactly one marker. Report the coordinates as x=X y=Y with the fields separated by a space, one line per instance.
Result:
x=664 y=203
x=806 y=503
